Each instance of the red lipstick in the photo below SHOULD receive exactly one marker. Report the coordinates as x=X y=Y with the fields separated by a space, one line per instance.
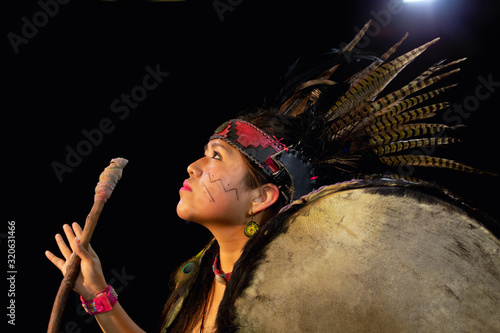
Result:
x=186 y=187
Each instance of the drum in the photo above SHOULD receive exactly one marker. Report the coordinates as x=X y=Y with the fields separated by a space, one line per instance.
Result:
x=359 y=257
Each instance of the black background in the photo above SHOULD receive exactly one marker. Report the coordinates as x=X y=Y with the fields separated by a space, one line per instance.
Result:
x=64 y=79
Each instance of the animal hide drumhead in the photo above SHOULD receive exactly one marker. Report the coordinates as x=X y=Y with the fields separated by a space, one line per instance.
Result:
x=360 y=260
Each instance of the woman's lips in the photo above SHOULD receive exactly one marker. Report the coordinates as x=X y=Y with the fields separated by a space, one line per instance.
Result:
x=186 y=187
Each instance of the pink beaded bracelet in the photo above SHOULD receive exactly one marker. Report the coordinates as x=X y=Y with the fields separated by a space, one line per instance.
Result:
x=103 y=302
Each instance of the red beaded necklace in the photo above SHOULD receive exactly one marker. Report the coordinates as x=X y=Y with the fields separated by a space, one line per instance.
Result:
x=219 y=276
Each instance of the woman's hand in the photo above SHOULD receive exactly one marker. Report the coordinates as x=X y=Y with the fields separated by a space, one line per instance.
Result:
x=91 y=278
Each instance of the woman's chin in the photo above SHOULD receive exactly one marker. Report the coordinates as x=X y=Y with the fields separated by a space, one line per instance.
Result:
x=181 y=211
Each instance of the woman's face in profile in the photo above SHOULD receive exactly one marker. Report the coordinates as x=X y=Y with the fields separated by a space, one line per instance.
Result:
x=216 y=191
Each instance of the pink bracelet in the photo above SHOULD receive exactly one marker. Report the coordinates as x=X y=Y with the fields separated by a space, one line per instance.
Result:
x=103 y=302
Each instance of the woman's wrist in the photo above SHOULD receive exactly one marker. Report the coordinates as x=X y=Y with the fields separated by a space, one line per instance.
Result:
x=102 y=302
x=88 y=295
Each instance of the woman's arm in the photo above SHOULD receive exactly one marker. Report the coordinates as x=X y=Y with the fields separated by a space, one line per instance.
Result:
x=91 y=280
x=117 y=321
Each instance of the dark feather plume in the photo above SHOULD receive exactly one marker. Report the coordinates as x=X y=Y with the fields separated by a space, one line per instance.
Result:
x=351 y=126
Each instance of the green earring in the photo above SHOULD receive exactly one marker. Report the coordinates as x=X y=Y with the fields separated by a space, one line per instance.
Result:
x=251 y=228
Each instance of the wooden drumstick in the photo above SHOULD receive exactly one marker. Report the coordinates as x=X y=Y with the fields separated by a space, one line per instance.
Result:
x=107 y=182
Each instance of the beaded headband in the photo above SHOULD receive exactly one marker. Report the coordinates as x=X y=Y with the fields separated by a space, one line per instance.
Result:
x=283 y=165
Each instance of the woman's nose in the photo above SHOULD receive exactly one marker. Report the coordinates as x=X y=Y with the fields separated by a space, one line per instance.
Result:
x=195 y=169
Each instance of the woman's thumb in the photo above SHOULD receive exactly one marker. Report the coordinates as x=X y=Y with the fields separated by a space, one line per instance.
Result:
x=80 y=250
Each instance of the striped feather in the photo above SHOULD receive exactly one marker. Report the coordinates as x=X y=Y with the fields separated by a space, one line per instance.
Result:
x=329 y=72
x=435 y=68
x=390 y=100
x=300 y=102
x=364 y=123
x=407 y=103
x=357 y=38
x=385 y=123
x=405 y=132
x=430 y=161
x=401 y=145
x=398 y=107
x=361 y=75
x=373 y=84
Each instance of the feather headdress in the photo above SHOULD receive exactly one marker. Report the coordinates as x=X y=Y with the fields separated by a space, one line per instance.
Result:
x=351 y=126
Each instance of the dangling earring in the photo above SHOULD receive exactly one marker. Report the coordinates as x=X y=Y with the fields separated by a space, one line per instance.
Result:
x=251 y=228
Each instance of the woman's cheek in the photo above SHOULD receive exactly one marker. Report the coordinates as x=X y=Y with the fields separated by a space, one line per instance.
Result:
x=214 y=198
x=216 y=189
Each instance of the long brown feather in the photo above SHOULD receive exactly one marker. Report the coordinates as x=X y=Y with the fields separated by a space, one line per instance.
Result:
x=401 y=145
x=386 y=123
x=357 y=38
x=405 y=132
x=430 y=161
x=371 y=86
x=361 y=75
x=397 y=107
x=389 y=100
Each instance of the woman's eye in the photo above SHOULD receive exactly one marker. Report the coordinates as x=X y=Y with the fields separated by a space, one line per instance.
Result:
x=216 y=155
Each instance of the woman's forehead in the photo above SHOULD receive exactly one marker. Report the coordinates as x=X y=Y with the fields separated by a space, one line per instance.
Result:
x=232 y=155
x=220 y=144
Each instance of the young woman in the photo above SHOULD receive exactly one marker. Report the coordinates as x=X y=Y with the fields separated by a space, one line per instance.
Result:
x=228 y=194
x=275 y=264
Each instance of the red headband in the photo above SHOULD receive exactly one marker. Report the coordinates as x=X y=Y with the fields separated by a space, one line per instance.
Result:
x=253 y=142
x=277 y=161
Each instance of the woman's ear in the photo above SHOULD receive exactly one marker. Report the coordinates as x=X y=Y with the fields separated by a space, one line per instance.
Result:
x=268 y=195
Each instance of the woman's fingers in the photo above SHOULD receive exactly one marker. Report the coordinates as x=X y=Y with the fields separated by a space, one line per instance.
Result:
x=69 y=235
x=77 y=229
x=74 y=245
x=81 y=251
x=85 y=254
x=74 y=240
x=91 y=278
x=65 y=250
x=58 y=262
